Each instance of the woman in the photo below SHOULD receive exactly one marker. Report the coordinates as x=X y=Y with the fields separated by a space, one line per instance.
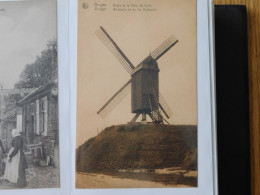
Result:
x=1 y=158
x=2 y=147
x=16 y=165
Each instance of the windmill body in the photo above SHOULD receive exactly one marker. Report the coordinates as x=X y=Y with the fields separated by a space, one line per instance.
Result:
x=145 y=96
x=145 y=86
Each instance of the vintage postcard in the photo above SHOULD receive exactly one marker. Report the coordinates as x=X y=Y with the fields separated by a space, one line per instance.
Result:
x=29 y=122
x=137 y=113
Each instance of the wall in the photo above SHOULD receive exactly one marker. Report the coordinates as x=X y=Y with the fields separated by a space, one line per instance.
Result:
x=51 y=141
x=53 y=129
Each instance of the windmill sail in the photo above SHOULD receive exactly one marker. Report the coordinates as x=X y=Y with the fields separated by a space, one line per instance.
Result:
x=115 y=50
x=164 y=106
x=115 y=100
x=164 y=47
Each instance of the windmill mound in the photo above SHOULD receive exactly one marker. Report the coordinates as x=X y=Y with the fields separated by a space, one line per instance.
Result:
x=139 y=147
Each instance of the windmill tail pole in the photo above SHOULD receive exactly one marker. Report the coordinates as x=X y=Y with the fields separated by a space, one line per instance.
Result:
x=166 y=121
x=164 y=111
x=151 y=116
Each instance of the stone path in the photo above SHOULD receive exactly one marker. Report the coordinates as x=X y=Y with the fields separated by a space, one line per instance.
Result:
x=37 y=177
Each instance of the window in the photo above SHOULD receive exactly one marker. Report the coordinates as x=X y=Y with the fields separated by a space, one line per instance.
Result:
x=37 y=120
x=32 y=118
x=43 y=116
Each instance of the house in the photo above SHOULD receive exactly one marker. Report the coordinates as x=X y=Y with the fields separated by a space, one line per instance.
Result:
x=40 y=121
x=10 y=113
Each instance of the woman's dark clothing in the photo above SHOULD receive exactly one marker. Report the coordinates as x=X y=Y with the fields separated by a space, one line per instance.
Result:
x=1 y=158
x=18 y=144
x=2 y=147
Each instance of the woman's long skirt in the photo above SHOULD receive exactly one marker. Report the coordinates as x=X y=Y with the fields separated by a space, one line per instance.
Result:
x=12 y=168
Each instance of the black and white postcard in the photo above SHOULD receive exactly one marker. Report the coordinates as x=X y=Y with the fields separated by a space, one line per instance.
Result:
x=29 y=117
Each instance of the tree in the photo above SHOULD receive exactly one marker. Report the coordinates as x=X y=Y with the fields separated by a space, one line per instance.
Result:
x=42 y=70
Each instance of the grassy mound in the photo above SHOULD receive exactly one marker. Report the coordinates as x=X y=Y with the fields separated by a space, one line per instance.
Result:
x=139 y=146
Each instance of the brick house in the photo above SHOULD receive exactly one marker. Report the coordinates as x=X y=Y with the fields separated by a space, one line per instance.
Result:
x=40 y=121
x=10 y=113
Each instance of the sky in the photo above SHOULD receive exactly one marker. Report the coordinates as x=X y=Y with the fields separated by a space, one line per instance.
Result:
x=100 y=75
x=26 y=27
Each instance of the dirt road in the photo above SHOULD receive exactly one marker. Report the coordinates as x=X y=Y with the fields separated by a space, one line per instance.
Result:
x=86 y=180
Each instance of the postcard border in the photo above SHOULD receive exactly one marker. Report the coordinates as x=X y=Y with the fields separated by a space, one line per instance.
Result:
x=206 y=128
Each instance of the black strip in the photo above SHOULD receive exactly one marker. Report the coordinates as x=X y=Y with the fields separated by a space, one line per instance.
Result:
x=232 y=100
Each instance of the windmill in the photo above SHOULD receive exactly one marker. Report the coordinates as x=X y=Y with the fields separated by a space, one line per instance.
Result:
x=144 y=82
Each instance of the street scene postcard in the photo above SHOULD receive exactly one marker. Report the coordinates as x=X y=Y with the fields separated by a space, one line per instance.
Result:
x=136 y=123
x=29 y=130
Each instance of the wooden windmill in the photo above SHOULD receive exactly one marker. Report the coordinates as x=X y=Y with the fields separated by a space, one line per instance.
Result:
x=144 y=82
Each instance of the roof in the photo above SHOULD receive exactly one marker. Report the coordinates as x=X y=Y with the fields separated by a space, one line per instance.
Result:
x=9 y=116
x=148 y=63
x=37 y=91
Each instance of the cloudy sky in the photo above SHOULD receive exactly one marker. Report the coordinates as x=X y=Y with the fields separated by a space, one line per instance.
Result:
x=100 y=75
x=26 y=27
